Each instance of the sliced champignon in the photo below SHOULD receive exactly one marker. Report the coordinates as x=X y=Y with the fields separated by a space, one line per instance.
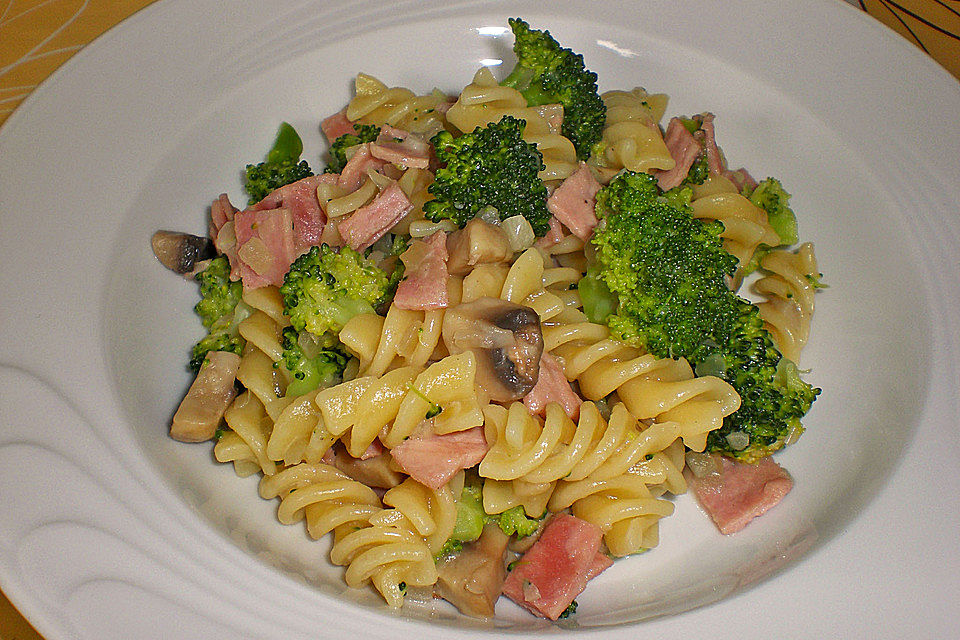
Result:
x=505 y=337
x=478 y=242
x=472 y=579
x=373 y=472
x=181 y=252
x=202 y=408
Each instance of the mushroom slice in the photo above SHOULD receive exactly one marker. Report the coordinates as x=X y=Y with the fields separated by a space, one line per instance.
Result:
x=373 y=472
x=505 y=337
x=180 y=252
x=472 y=579
x=202 y=408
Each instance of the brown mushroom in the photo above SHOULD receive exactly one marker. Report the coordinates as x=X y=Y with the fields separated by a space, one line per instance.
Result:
x=202 y=408
x=181 y=252
x=477 y=243
x=373 y=472
x=505 y=337
x=472 y=579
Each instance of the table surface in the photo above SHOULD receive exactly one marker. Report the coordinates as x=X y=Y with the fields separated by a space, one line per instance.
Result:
x=40 y=35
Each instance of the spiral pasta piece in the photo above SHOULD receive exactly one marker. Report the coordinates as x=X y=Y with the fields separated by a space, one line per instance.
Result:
x=377 y=104
x=432 y=513
x=246 y=443
x=631 y=136
x=393 y=405
x=663 y=389
x=745 y=225
x=788 y=287
x=403 y=338
x=323 y=496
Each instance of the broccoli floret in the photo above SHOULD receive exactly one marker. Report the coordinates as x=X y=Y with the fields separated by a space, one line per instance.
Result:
x=491 y=167
x=547 y=73
x=311 y=362
x=668 y=272
x=569 y=611
x=325 y=288
x=515 y=521
x=770 y=196
x=338 y=150
x=282 y=166
x=220 y=311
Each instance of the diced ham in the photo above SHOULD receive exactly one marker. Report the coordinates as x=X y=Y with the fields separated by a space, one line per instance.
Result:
x=740 y=492
x=557 y=568
x=574 y=202
x=714 y=158
x=368 y=224
x=221 y=212
x=553 y=236
x=552 y=386
x=374 y=450
x=300 y=198
x=266 y=246
x=741 y=178
x=355 y=171
x=684 y=149
x=425 y=284
x=336 y=125
x=397 y=146
x=433 y=459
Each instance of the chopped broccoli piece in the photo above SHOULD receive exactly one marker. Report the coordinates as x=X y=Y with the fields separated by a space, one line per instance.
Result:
x=770 y=196
x=220 y=310
x=282 y=166
x=547 y=73
x=668 y=271
x=338 y=150
x=699 y=170
x=493 y=166
x=311 y=362
x=515 y=521
x=470 y=514
x=325 y=288
x=569 y=611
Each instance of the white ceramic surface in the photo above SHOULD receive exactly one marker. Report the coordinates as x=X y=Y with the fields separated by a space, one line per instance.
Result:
x=111 y=530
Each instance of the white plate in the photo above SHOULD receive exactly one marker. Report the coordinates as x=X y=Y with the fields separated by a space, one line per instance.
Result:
x=111 y=530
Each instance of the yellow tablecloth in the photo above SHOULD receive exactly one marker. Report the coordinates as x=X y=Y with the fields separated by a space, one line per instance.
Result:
x=37 y=36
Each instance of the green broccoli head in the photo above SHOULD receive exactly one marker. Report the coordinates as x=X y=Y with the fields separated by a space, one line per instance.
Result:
x=325 y=288
x=515 y=521
x=218 y=295
x=338 y=150
x=547 y=73
x=770 y=196
x=491 y=167
x=220 y=310
x=668 y=271
x=311 y=362
x=282 y=166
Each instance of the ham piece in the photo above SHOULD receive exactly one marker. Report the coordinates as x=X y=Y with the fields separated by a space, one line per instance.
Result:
x=354 y=173
x=714 y=157
x=300 y=198
x=221 y=212
x=336 y=125
x=400 y=147
x=266 y=246
x=369 y=223
x=741 y=178
x=552 y=386
x=740 y=492
x=433 y=459
x=425 y=285
x=684 y=149
x=574 y=202
x=553 y=236
x=556 y=569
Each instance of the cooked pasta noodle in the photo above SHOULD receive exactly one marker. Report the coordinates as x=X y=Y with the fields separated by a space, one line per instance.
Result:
x=631 y=138
x=788 y=288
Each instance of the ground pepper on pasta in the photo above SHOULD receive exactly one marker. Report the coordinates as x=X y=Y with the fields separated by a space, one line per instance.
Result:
x=454 y=351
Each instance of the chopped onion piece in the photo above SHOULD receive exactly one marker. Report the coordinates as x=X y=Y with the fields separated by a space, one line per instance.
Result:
x=702 y=464
x=519 y=232
x=424 y=228
x=738 y=440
